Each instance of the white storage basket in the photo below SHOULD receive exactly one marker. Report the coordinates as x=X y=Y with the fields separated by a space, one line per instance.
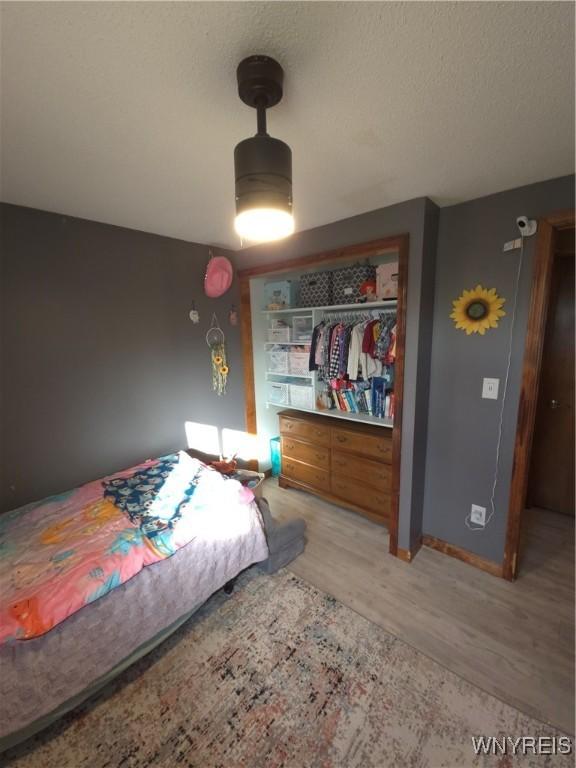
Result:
x=277 y=361
x=301 y=397
x=298 y=363
x=302 y=328
x=279 y=335
x=278 y=393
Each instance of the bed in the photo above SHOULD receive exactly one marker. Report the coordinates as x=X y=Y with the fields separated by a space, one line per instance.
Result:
x=93 y=579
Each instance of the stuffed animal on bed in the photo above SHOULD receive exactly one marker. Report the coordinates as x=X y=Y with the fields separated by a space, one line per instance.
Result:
x=225 y=467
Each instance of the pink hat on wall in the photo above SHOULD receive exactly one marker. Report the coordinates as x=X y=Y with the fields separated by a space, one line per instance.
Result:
x=219 y=275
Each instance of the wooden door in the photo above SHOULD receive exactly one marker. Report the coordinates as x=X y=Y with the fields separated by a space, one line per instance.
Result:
x=551 y=479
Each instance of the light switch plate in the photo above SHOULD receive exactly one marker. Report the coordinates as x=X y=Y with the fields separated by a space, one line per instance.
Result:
x=490 y=388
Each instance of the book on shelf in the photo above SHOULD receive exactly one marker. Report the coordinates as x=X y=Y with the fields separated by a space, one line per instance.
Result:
x=362 y=402
x=339 y=400
x=351 y=400
x=363 y=397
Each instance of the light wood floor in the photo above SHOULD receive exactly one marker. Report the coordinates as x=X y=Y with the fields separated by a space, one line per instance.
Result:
x=514 y=640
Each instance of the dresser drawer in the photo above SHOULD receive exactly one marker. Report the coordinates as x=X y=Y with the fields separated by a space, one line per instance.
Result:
x=315 y=433
x=304 y=473
x=378 y=502
x=306 y=452
x=373 y=473
x=366 y=445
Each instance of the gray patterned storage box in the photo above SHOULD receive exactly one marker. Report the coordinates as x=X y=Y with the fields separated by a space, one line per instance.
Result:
x=346 y=282
x=316 y=289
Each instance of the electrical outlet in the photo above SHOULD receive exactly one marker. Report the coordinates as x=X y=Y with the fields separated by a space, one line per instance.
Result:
x=478 y=515
x=490 y=388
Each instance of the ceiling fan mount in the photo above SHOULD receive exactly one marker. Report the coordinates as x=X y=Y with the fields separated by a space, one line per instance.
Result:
x=260 y=80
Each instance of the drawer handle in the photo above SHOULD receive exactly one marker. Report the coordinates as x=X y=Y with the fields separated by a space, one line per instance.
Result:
x=320 y=456
x=340 y=439
x=319 y=433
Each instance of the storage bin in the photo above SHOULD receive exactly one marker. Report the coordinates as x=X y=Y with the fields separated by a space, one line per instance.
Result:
x=387 y=281
x=301 y=397
x=302 y=328
x=277 y=393
x=275 y=456
x=346 y=282
x=280 y=294
x=298 y=363
x=316 y=289
x=277 y=360
x=279 y=335
x=250 y=479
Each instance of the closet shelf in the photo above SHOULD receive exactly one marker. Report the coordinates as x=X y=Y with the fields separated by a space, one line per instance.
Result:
x=362 y=418
x=288 y=343
x=307 y=376
x=365 y=306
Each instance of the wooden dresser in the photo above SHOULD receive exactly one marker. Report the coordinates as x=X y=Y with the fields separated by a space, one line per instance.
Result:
x=344 y=462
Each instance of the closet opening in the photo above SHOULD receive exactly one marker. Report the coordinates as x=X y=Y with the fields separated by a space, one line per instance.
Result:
x=336 y=408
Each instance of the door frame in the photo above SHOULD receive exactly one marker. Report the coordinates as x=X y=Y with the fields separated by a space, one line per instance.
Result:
x=397 y=244
x=537 y=317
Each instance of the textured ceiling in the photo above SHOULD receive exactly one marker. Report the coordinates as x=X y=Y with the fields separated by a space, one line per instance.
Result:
x=127 y=113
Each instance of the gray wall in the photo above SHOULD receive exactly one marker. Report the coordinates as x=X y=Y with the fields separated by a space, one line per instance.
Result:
x=419 y=219
x=463 y=428
x=101 y=366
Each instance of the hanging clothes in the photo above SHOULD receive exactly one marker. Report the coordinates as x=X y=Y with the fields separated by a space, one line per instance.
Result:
x=391 y=354
x=354 y=351
x=334 y=367
x=316 y=335
x=368 y=341
x=355 y=359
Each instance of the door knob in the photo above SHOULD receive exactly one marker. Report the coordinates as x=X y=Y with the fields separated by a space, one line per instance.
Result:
x=554 y=404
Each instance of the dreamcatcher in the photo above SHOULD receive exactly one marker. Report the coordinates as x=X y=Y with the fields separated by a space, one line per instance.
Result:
x=217 y=343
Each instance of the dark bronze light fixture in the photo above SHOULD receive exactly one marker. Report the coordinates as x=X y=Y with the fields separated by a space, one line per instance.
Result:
x=262 y=165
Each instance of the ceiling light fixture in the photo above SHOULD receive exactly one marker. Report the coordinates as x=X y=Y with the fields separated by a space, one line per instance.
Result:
x=262 y=165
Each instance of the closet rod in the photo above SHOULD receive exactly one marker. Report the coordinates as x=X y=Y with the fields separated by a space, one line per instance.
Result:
x=358 y=315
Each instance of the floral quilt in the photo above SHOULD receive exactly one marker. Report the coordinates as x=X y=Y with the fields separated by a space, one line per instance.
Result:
x=66 y=551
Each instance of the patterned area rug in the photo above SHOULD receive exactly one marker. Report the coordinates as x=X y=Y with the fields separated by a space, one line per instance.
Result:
x=280 y=675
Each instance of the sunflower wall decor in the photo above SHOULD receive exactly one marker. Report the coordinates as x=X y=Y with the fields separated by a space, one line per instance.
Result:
x=477 y=310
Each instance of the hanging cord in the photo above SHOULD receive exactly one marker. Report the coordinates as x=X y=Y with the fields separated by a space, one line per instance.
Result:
x=472 y=526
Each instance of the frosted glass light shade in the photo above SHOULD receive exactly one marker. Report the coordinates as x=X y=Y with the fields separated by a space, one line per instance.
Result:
x=262 y=225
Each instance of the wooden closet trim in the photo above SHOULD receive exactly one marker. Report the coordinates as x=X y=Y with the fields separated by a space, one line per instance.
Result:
x=396 y=244
x=541 y=279
x=358 y=251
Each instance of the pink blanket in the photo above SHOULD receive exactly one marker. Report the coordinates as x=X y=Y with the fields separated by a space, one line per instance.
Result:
x=67 y=551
